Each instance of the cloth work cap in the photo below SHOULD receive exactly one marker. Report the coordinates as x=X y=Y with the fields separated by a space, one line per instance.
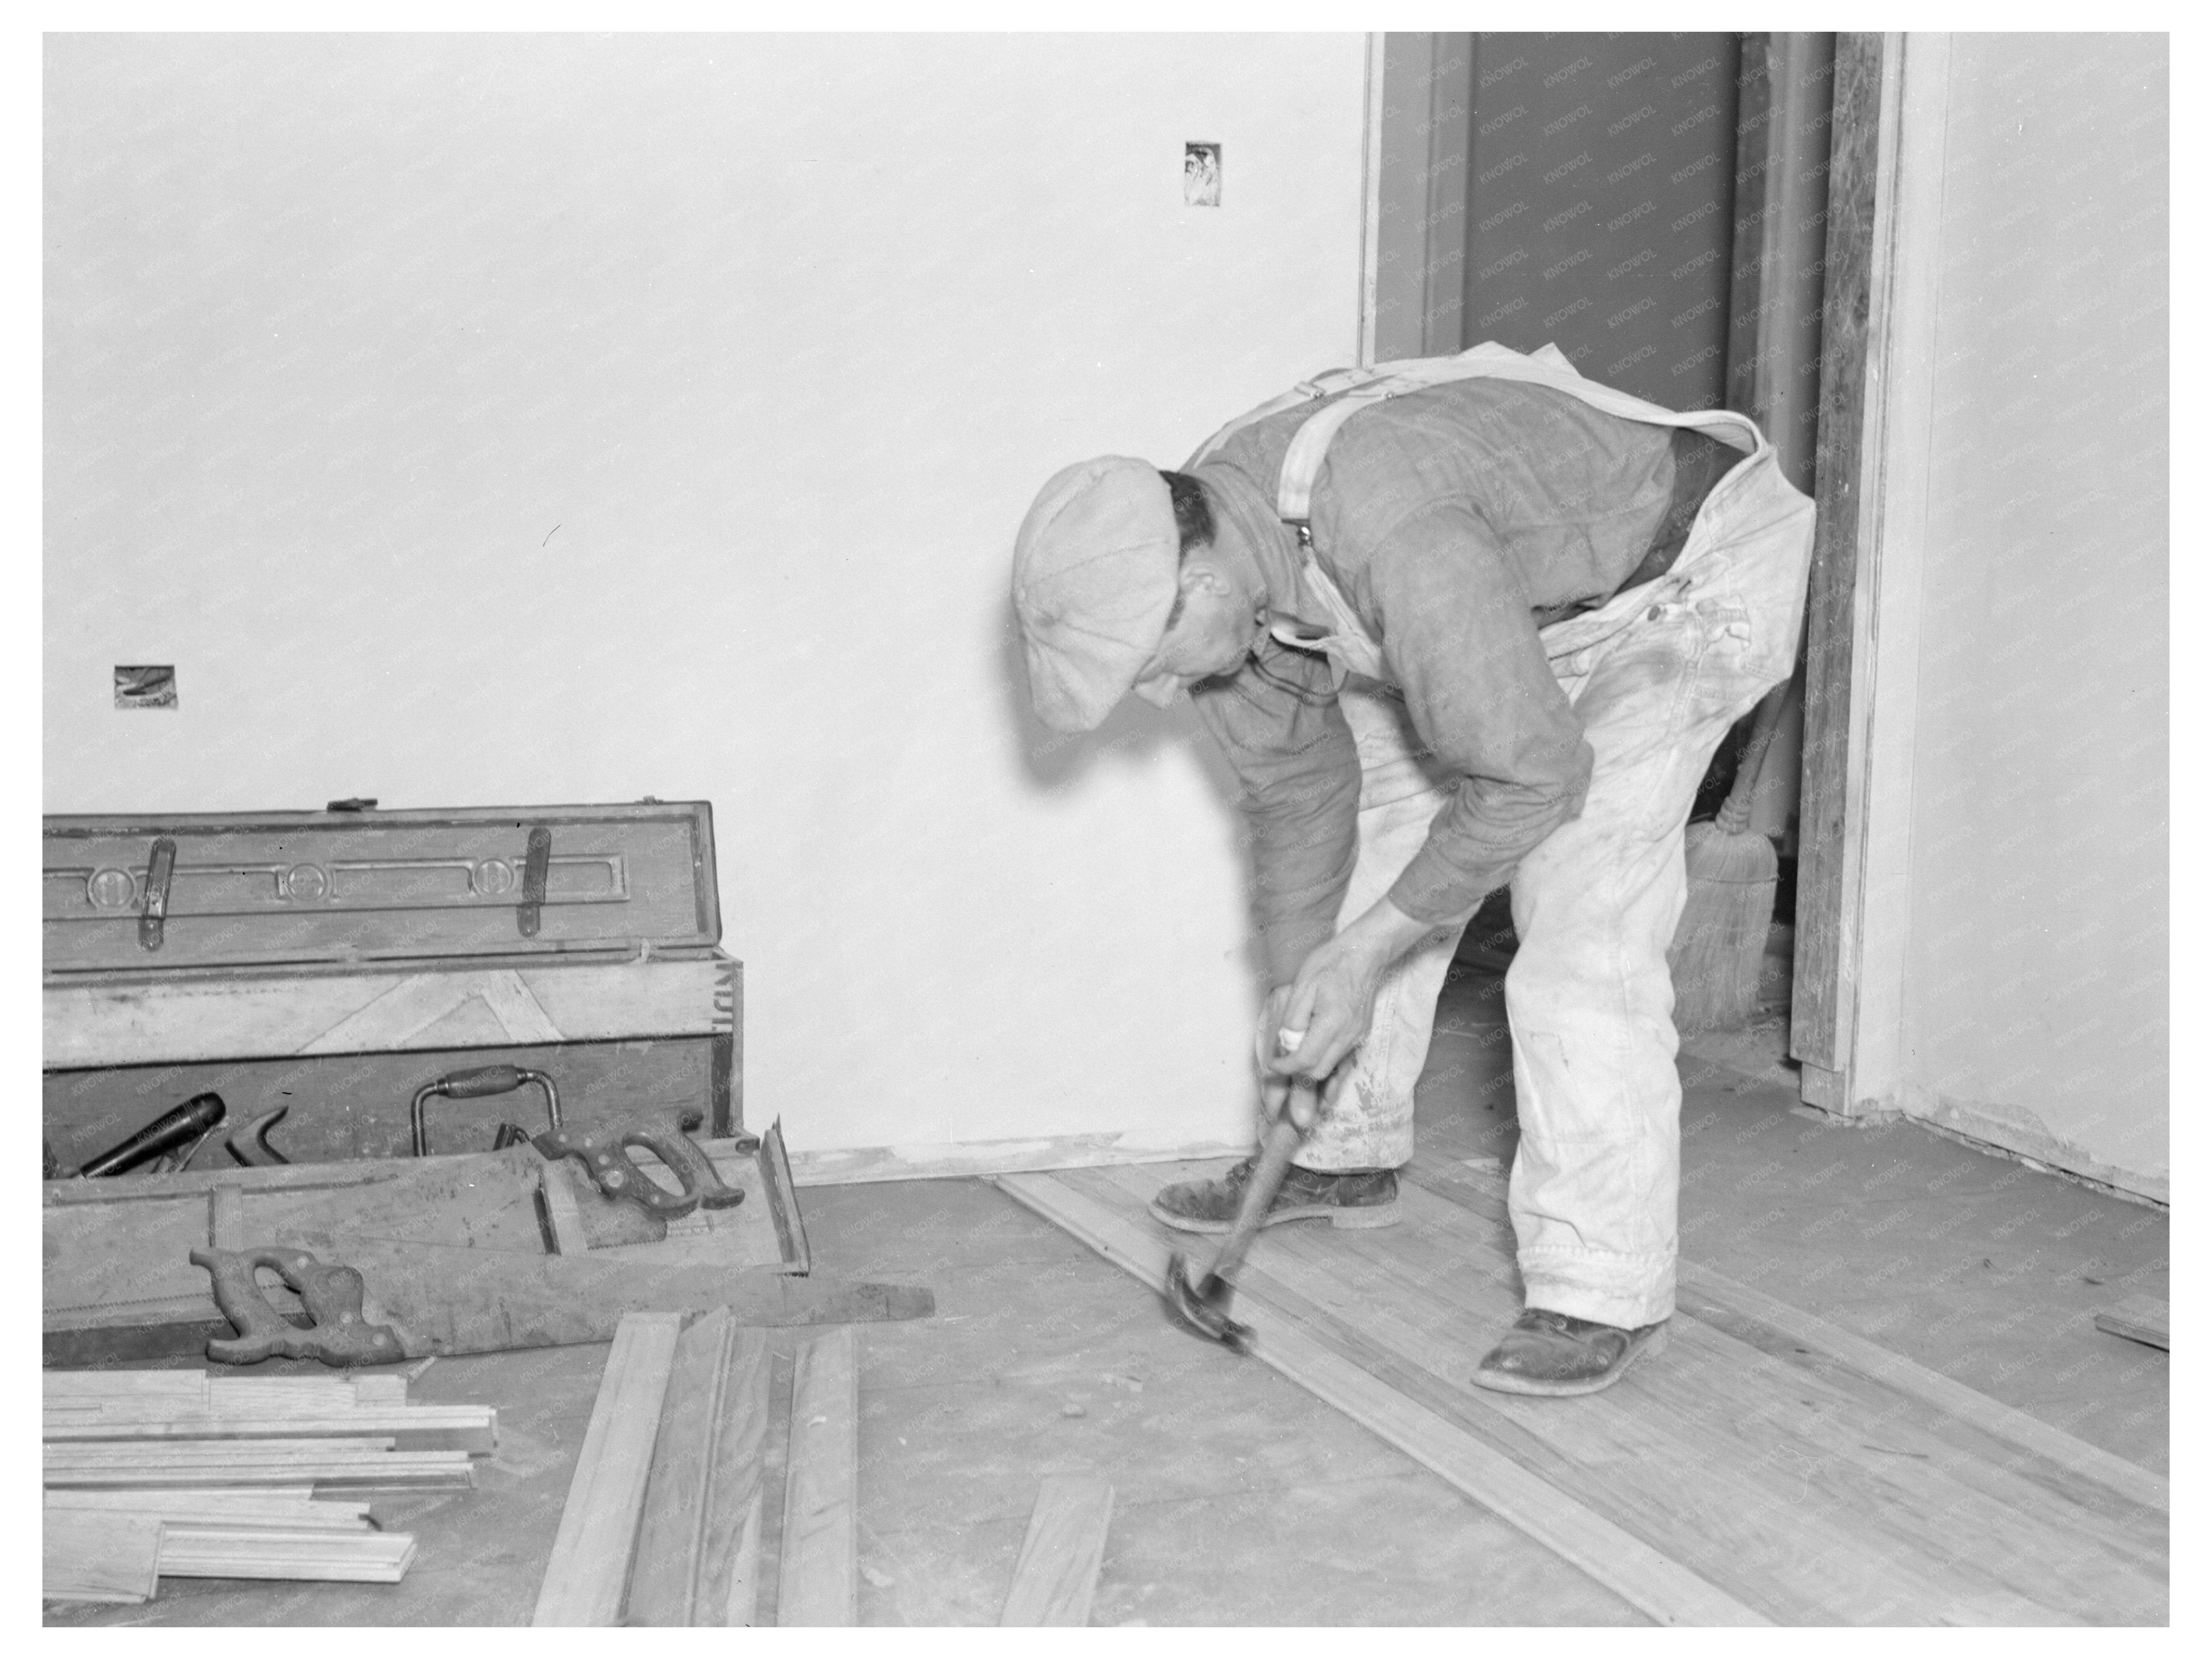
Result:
x=1096 y=565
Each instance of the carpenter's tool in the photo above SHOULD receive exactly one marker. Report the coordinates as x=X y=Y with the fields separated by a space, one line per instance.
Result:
x=432 y=1299
x=195 y=1118
x=1203 y=1307
x=604 y=1152
x=249 y=1142
x=474 y=1085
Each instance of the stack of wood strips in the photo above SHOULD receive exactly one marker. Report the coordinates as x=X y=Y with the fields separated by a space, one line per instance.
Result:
x=666 y=1512
x=192 y=1475
x=669 y=1507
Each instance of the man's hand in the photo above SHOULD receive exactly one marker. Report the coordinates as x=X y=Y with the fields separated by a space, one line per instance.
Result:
x=1269 y=1043
x=1333 y=998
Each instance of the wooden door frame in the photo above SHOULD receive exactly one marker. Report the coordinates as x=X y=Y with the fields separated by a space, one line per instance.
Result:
x=1863 y=621
x=1421 y=97
x=1863 y=618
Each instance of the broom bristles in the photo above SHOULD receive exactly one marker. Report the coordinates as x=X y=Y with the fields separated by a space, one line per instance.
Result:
x=1715 y=955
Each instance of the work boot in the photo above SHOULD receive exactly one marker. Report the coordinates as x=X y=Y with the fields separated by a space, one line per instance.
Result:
x=1556 y=1354
x=1351 y=1197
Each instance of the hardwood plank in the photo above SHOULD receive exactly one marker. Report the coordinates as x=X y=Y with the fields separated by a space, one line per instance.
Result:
x=1881 y=1506
x=415 y=1428
x=188 y=1388
x=740 y=1606
x=110 y=1453
x=279 y=1507
x=819 y=1567
x=1375 y=1314
x=228 y=1499
x=1056 y=1574
x=1658 y=1587
x=729 y=1558
x=355 y=1465
x=1765 y=1387
x=1768 y=1491
x=2140 y=1319
x=671 y=1531
x=590 y=1558
x=1706 y=1293
x=191 y=1550
x=85 y=1556
x=264 y=1395
x=383 y=1388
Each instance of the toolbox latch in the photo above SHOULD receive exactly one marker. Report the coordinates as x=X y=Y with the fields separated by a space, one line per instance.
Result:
x=534 y=865
x=159 y=867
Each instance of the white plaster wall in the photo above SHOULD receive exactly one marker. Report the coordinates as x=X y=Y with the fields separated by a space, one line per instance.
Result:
x=535 y=419
x=2036 y=1001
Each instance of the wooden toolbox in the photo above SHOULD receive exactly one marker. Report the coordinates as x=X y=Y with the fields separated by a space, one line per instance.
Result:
x=337 y=963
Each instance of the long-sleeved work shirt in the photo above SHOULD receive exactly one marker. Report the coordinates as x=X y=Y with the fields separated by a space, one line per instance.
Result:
x=1454 y=521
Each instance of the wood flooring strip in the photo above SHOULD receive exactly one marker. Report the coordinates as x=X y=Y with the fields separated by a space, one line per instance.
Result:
x=252 y=1507
x=1900 y=1478
x=741 y=1596
x=671 y=1533
x=819 y=1568
x=90 y=1556
x=330 y=1477
x=311 y=1395
x=188 y=1390
x=729 y=1553
x=590 y=1563
x=1708 y=1288
x=417 y=1428
x=2140 y=1319
x=1774 y=1486
x=1835 y=1487
x=386 y=1388
x=1056 y=1576
x=216 y=1453
x=191 y=1550
x=1656 y=1586
x=1673 y=1498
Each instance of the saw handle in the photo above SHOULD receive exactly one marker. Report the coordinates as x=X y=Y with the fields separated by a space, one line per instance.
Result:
x=605 y=1154
x=332 y=1291
x=474 y=1085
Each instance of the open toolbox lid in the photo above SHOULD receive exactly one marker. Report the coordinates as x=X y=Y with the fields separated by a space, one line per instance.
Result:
x=147 y=893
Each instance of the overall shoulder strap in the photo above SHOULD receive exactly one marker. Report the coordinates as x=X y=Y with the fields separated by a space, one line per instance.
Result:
x=1326 y=384
x=1302 y=461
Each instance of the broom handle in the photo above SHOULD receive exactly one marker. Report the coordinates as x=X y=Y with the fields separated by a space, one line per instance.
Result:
x=1735 y=811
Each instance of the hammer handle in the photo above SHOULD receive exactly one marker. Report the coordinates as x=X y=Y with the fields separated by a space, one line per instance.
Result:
x=1283 y=1139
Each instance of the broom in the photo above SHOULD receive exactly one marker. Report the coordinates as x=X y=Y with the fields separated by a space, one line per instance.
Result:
x=1722 y=938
